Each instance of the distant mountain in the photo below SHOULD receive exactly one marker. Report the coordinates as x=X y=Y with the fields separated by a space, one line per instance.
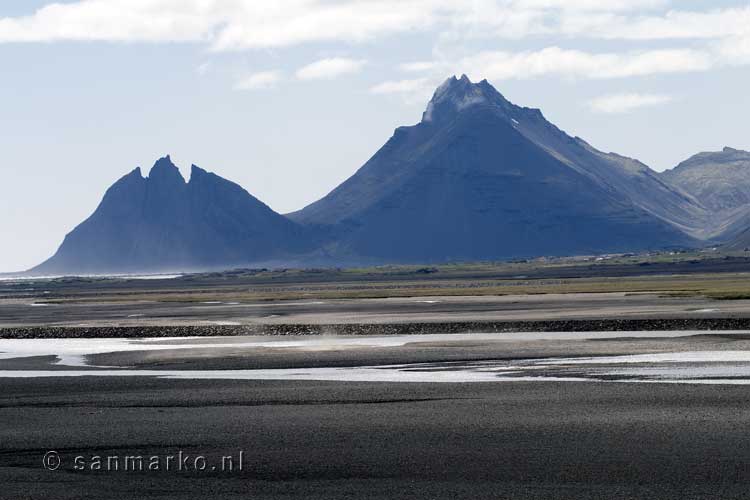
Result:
x=478 y=178
x=481 y=178
x=718 y=180
x=162 y=223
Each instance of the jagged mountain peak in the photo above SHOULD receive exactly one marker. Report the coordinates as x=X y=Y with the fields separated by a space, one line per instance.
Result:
x=456 y=94
x=197 y=172
x=136 y=172
x=163 y=223
x=164 y=170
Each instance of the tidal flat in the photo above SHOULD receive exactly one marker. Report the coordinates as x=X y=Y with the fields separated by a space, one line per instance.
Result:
x=443 y=417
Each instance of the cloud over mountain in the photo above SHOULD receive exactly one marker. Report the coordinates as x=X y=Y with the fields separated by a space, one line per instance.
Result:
x=328 y=68
x=624 y=103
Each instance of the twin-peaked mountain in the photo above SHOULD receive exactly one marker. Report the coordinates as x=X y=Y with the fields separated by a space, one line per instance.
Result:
x=479 y=178
x=162 y=222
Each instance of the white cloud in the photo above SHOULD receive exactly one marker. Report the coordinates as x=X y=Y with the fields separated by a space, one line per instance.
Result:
x=246 y=24
x=330 y=68
x=203 y=68
x=401 y=86
x=111 y=20
x=418 y=66
x=550 y=61
x=625 y=103
x=580 y=64
x=260 y=80
x=673 y=25
x=224 y=25
x=735 y=50
x=412 y=91
x=590 y=5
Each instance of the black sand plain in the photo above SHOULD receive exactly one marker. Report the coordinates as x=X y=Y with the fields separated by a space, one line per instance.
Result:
x=336 y=440
x=308 y=439
x=344 y=440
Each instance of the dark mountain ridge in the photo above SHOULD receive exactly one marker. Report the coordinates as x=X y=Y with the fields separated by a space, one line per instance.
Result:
x=478 y=178
x=161 y=222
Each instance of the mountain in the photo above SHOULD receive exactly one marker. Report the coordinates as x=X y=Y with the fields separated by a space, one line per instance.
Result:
x=482 y=178
x=162 y=223
x=718 y=180
x=478 y=178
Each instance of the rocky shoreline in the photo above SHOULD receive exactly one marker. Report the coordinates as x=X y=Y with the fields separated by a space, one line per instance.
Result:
x=423 y=328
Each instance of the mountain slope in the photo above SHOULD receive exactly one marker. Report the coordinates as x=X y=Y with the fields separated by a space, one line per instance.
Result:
x=163 y=223
x=612 y=172
x=740 y=242
x=481 y=178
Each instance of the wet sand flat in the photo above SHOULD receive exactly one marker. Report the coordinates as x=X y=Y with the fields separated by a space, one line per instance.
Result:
x=342 y=439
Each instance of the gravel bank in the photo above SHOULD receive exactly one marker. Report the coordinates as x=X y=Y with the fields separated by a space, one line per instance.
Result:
x=380 y=329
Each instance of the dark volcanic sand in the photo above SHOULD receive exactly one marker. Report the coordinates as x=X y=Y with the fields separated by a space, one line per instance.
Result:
x=347 y=440
x=336 y=440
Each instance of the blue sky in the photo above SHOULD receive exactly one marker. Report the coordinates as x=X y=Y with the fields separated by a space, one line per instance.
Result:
x=289 y=98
